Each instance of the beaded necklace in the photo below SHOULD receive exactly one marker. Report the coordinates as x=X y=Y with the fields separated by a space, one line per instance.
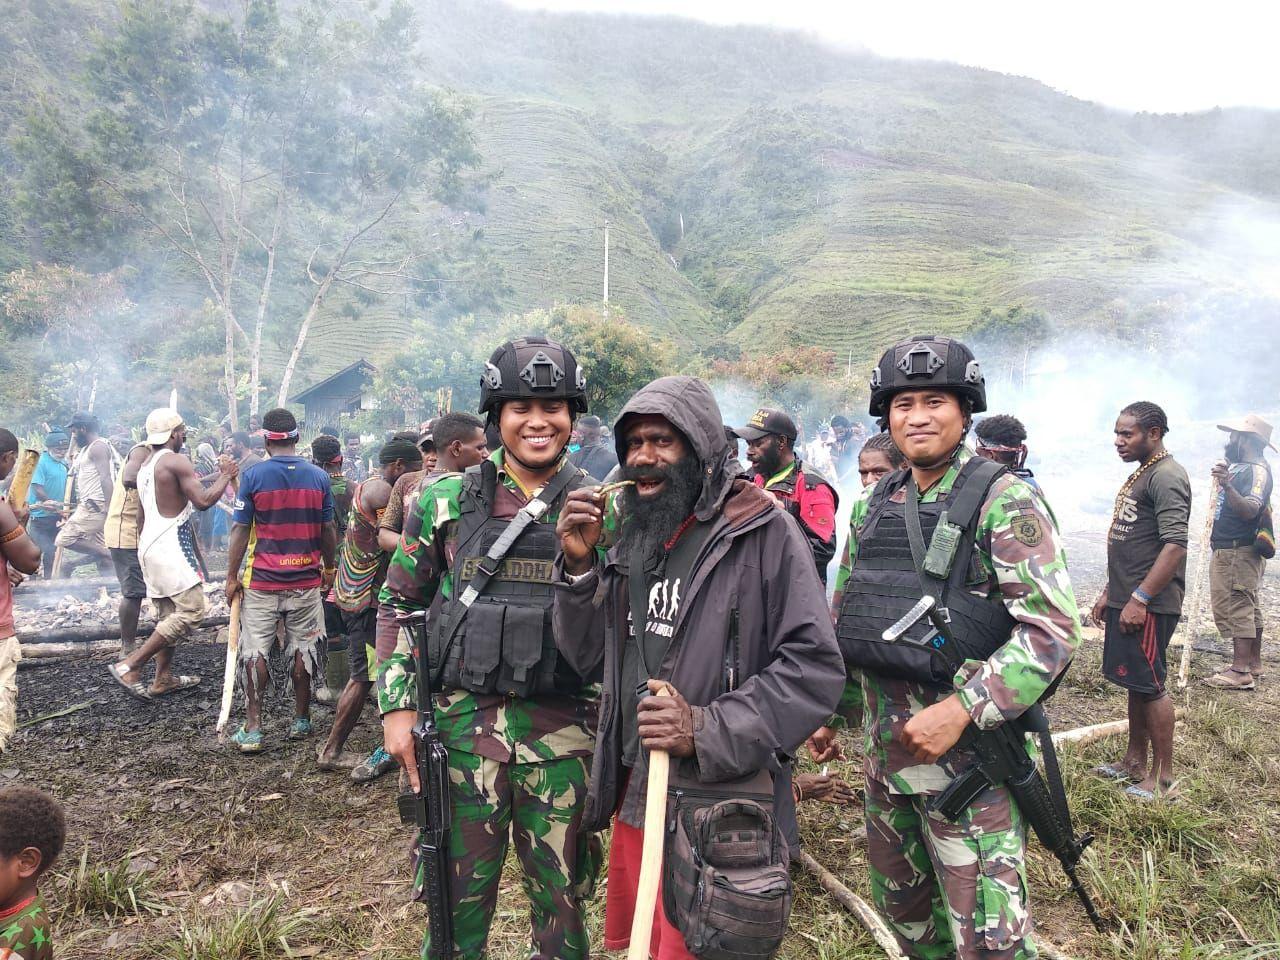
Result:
x=1129 y=484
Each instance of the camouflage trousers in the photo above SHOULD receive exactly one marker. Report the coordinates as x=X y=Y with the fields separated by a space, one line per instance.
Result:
x=539 y=806
x=950 y=889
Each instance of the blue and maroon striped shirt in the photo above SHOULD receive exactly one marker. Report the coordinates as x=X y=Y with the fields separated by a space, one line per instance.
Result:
x=286 y=503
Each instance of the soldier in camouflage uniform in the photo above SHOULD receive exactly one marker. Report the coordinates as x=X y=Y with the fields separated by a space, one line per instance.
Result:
x=518 y=760
x=949 y=889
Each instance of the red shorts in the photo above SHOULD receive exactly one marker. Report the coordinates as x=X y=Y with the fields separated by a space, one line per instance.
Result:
x=665 y=943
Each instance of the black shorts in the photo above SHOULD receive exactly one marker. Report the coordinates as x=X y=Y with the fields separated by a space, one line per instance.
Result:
x=1136 y=660
x=358 y=629
x=129 y=573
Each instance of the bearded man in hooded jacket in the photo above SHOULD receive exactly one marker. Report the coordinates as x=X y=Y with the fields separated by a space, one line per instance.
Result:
x=735 y=625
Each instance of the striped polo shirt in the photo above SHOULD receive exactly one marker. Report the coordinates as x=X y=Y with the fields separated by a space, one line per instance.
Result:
x=286 y=503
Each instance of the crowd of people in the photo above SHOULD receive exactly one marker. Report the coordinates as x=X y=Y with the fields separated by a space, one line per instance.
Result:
x=593 y=595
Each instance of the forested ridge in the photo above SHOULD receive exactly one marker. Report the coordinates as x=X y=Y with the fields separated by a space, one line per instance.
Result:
x=382 y=178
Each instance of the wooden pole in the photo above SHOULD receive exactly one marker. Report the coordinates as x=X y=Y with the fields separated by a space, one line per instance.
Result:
x=865 y=913
x=67 y=490
x=229 y=671
x=1191 y=624
x=655 y=822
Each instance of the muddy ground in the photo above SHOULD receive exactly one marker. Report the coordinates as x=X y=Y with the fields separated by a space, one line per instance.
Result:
x=213 y=846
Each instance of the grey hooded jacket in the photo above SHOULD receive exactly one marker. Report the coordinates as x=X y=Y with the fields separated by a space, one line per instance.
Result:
x=755 y=561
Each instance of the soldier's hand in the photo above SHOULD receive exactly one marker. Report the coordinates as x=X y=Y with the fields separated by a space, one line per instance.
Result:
x=1134 y=616
x=666 y=723
x=397 y=740
x=824 y=787
x=579 y=527
x=824 y=746
x=934 y=730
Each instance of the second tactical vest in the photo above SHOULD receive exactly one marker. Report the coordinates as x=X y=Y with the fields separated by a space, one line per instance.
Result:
x=504 y=644
x=884 y=584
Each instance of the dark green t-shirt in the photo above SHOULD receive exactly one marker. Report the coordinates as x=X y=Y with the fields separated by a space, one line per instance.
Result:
x=24 y=932
x=1155 y=511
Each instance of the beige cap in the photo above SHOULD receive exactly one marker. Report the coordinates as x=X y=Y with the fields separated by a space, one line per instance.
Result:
x=161 y=423
x=1250 y=423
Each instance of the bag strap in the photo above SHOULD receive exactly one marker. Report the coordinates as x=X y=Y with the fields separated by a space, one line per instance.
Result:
x=490 y=563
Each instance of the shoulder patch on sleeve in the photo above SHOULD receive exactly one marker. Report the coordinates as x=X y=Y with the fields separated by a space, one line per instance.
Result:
x=1027 y=530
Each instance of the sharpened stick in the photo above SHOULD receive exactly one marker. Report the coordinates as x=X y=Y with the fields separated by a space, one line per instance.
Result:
x=655 y=824
x=866 y=914
x=1191 y=624
x=229 y=671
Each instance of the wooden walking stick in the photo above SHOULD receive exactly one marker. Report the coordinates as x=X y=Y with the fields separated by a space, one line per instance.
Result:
x=68 y=489
x=1191 y=624
x=229 y=671
x=655 y=823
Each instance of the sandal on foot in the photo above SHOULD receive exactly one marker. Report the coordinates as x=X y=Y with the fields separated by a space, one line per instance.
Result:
x=1223 y=680
x=301 y=728
x=248 y=741
x=137 y=688
x=181 y=682
x=1113 y=771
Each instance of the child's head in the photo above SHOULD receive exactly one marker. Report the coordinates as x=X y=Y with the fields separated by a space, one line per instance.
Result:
x=32 y=831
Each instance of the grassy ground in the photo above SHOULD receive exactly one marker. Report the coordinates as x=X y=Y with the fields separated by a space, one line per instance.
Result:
x=179 y=848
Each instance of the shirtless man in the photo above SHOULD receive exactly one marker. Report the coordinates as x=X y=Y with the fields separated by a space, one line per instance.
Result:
x=168 y=491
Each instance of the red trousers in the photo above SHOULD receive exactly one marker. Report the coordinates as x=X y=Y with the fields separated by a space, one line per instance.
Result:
x=666 y=943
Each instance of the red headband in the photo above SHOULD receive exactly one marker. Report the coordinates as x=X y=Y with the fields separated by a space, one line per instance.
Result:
x=280 y=435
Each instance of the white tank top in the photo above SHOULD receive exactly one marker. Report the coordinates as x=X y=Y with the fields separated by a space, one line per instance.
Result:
x=166 y=545
x=88 y=482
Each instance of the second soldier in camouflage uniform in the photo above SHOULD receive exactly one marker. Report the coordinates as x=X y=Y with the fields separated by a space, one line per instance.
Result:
x=949 y=888
x=518 y=733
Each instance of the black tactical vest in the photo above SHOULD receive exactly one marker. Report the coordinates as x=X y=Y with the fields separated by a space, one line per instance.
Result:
x=504 y=643
x=884 y=584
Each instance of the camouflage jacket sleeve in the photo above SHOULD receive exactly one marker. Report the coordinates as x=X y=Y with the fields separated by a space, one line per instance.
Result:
x=418 y=569
x=857 y=515
x=1023 y=554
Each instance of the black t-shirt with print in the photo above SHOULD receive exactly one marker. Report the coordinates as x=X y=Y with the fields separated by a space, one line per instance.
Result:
x=1253 y=482
x=666 y=582
x=1155 y=512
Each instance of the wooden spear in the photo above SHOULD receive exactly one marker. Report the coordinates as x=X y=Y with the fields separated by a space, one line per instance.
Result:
x=655 y=823
x=229 y=671
x=1191 y=625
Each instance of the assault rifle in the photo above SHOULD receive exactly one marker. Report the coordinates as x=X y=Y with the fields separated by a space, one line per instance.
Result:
x=1003 y=761
x=429 y=809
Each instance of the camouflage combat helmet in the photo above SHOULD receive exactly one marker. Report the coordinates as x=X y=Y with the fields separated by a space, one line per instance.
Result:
x=923 y=362
x=532 y=368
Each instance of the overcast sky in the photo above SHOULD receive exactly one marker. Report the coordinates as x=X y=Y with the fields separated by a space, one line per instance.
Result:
x=1165 y=57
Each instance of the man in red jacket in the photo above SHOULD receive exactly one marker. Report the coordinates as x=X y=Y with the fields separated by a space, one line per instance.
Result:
x=803 y=492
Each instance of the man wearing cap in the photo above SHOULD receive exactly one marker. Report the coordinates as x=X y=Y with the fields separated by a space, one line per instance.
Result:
x=82 y=531
x=803 y=492
x=1243 y=505
x=594 y=456
x=45 y=498
x=168 y=493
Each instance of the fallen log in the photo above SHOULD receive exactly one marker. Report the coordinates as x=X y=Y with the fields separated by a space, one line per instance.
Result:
x=94 y=631
x=42 y=654
x=863 y=911
x=1082 y=735
x=84 y=584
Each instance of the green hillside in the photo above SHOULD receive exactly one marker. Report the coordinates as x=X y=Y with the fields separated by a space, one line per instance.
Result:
x=832 y=198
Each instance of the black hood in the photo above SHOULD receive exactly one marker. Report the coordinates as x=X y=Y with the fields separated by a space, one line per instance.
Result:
x=688 y=405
